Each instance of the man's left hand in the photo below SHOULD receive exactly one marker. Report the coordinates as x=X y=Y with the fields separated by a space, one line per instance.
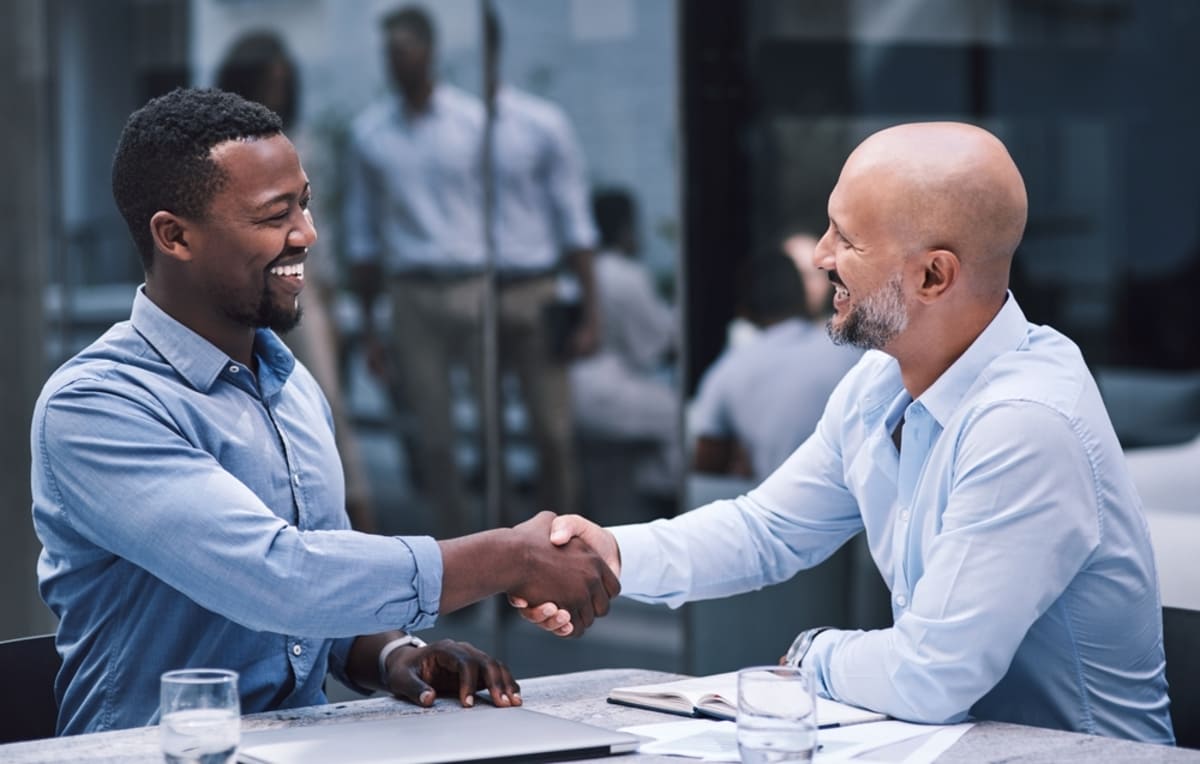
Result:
x=418 y=674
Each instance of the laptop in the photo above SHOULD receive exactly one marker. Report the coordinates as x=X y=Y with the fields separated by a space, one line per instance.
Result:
x=484 y=733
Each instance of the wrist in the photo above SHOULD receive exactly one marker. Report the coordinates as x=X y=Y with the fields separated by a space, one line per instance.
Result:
x=802 y=644
x=408 y=640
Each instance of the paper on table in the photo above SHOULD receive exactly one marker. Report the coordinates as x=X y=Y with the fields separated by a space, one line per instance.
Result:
x=891 y=741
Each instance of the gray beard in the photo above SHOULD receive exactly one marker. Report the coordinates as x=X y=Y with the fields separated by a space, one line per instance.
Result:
x=874 y=322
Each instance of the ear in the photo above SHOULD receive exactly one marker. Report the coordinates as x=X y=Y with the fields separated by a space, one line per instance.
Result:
x=170 y=234
x=940 y=271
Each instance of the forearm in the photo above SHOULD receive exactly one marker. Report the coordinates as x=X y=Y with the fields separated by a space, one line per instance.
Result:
x=478 y=566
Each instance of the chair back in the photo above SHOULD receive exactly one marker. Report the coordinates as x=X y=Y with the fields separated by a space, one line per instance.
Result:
x=1181 y=639
x=28 y=709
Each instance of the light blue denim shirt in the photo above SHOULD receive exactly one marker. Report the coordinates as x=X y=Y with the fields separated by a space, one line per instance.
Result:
x=1007 y=529
x=192 y=514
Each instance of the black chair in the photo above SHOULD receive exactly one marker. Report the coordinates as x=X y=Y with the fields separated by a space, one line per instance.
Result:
x=1181 y=639
x=28 y=710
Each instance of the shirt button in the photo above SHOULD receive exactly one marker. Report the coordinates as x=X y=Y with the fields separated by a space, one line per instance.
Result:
x=296 y=479
x=297 y=649
x=904 y=516
x=233 y=369
x=901 y=600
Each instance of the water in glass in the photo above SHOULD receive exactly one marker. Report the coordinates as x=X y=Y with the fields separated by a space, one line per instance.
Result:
x=763 y=739
x=200 y=736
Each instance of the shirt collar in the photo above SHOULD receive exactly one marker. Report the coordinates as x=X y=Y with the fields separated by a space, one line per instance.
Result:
x=1006 y=332
x=199 y=361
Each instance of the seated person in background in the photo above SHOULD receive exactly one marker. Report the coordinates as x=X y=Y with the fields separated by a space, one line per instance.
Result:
x=761 y=399
x=186 y=487
x=614 y=392
x=973 y=449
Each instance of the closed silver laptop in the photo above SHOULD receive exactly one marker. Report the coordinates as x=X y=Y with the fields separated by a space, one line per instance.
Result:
x=484 y=733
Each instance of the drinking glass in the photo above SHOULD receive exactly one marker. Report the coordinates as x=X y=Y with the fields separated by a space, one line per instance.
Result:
x=201 y=718
x=776 y=716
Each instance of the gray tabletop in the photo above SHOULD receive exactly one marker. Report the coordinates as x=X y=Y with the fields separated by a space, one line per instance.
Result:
x=580 y=696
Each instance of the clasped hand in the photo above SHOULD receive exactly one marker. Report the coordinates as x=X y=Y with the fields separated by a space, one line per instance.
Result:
x=556 y=615
x=565 y=568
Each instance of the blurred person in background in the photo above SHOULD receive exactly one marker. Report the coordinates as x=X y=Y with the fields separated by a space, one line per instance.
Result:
x=540 y=222
x=413 y=217
x=614 y=392
x=414 y=212
x=259 y=68
x=761 y=399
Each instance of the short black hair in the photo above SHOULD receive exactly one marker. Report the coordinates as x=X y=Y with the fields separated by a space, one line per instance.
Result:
x=163 y=159
x=415 y=19
x=613 y=210
x=245 y=68
x=770 y=288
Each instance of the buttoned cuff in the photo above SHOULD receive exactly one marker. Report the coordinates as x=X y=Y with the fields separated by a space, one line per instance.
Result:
x=427 y=582
x=819 y=658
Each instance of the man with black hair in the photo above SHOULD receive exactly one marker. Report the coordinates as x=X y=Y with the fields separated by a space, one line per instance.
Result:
x=187 y=489
x=759 y=401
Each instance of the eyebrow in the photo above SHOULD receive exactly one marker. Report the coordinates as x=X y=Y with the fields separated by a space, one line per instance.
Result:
x=283 y=197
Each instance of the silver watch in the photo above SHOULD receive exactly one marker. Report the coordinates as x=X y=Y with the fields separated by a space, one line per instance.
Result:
x=801 y=644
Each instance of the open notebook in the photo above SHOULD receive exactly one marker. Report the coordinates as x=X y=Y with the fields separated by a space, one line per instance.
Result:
x=716 y=696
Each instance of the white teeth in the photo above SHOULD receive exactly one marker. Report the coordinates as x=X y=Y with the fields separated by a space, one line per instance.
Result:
x=840 y=292
x=289 y=270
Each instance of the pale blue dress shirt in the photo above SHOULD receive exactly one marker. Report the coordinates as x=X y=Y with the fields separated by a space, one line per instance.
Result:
x=414 y=191
x=541 y=202
x=1007 y=529
x=192 y=514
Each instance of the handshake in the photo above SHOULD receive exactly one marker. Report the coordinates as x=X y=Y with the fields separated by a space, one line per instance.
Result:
x=567 y=583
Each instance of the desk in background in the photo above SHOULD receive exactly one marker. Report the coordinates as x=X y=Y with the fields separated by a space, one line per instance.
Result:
x=580 y=696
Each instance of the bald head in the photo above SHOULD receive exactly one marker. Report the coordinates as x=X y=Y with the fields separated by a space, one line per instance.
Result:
x=947 y=185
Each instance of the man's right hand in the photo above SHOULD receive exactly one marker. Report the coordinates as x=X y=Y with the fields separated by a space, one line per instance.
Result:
x=548 y=614
x=561 y=566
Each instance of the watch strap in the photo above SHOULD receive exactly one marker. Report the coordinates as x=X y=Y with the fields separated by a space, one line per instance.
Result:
x=801 y=645
x=391 y=647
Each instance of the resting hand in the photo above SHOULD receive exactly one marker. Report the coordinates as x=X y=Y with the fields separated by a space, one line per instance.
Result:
x=564 y=528
x=418 y=674
x=567 y=572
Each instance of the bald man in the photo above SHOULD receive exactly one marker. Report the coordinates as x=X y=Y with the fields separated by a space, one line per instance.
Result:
x=973 y=449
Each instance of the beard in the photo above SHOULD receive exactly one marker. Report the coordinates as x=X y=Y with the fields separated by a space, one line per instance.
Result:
x=875 y=321
x=265 y=314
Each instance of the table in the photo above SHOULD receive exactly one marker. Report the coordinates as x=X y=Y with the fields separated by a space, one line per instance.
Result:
x=580 y=696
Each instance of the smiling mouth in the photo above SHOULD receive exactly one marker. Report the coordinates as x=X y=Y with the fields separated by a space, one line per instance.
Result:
x=295 y=270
